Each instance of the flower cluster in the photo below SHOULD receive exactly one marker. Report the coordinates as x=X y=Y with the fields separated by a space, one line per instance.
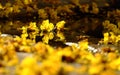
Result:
x=111 y=38
x=111 y=27
x=47 y=60
x=86 y=62
x=46 y=30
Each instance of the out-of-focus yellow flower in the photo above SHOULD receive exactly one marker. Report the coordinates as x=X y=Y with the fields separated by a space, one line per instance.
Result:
x=51 y=35
x=67 y=51
x=106 y=23
x=108 y=72
x=27 y=1
x=106 y=38
x=24 y=30
x=16 y=8
x=97 y=59
x=95 y=8
x=1 y=7
x=115 y=64
x=118 y=24
x=83 y=45
x=68 y=68
x=28 y=62
x=95 y=69
x=117 y=39
x=60 y=25
x=51 y=67
x=12 y=62
x=33 y=26
x=112 y=37
x=24 y=35
x=3 y=70
x=47 y=31
x=34 y=30
x=111 y=56
x=25 y=48
x=42 y=13
x=27 y=71
x=47 y=37
x=40 y=48
x=46 y=26
x=61 y=36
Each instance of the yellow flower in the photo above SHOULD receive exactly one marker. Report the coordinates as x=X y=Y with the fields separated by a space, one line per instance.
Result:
x=27 y=1
x=1 y=7
x=47 y=37
x=67 y=51
x=34 y=32
x=24 y=34
x=27 y=71
x=32 y=25
x=12 y=62
x=28 y=62
x=117 y=39
x=61 y=36
x=51 y=35
x=46 y=26
x=112 y=37
x=95 y=69
x=42 y=13
x=69 y=68
x=25 y=48
x=24 y=29
x=116 y=63
x=118 y=25
x=106 y=38
x=52 y=67
x=60 y=25
x=83 y=45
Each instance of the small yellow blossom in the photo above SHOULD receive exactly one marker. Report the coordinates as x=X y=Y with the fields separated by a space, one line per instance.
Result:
x=47 y=37
x=117 y=39
x=27 y=1
x=51 y=67
x=27 y=71
x=112 y=37
x=24 y=34
x=28 y=62
x=60 y=25
x=16 y=8
x=95 y=8
x=106 y=38
x=69 y=68
x=25 y=48
x=32 y=25
x=42 y=13
x=95 y=69
x=118 y=25
x=51 y=35
x=83 y=45
x=61 y=36
x=67 y=51
x=46 y=26
x=1 y=7
x=116 y=63
x=24 y=30
x=34 y=30
x=13 y=62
